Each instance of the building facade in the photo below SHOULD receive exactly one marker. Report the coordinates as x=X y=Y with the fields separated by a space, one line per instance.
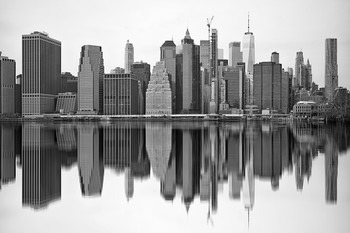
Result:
x=235 y=86
x=213 y=72
x=187 y=76
x=248 y=52
x=141 y=71
x=41 y=67
x=268 y=86
x=7 y=84
x=66 y=102
x=128 y=57
x=90 y=80
x=235 y=54
x=121 y=94
x=331 y=72
x=158 y=95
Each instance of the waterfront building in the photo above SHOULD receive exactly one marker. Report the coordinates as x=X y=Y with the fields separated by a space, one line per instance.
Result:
x=331 y=72
x=7 y=84
x=235 y=54
x=90 y=80
x=268 y=85
x=187 y=76
x=66 y=102
x=304 y=109
x=141 y=72
x=235 y=86
x=248 y=52
x=121 y=94
x=158 y=95
x=41 y=67
x=128 y=57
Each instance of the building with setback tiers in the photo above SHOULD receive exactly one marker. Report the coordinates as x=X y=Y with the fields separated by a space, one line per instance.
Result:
x=41 y=67
x=158 y=95
x=7 y=84
x=90 y=80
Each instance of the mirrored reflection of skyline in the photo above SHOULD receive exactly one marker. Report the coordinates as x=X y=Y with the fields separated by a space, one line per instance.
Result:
x=189 y=160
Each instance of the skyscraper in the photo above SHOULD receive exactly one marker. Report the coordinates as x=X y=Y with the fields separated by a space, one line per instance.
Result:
x=214 y=102
x=41 y=67
x=129 y=57
x=158 y=96
x=187 y=76
x=331 y=72
x=205 y=80
x=234 y=78
x=90 y=80
x=235 y=54
x=299 y=62
x=268 y=85
x=141 y=71
x=248 y=52
x=7 y=84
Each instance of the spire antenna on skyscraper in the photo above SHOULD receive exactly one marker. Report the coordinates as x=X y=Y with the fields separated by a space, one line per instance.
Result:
x=248 y=21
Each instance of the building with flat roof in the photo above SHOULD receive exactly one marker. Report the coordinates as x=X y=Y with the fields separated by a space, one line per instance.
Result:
x=41 y=67
x=121 y=94
x=128 y=57
x=7 y=84
x=66 y=102
x=141 y=72
x=331 y=73
x=235 y=54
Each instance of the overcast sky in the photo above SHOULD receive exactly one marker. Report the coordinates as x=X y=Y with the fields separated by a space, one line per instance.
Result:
x=278 y=25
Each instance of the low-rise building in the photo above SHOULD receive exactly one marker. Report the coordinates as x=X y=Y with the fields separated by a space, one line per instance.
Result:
x=66 y=102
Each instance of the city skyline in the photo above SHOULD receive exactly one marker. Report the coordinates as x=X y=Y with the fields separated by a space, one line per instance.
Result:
x=287 y=36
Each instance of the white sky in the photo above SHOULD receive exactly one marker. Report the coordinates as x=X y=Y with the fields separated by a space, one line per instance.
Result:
x=278 y=25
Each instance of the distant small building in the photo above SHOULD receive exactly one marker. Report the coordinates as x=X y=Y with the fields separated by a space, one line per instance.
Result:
x=66 y=102
x=158 y=95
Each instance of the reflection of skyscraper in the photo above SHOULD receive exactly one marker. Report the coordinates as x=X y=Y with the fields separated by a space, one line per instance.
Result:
x=331 y=167
x=90 y=162
x=41 y=166
x=67 y=144
x=129 y=183
x=7 y=154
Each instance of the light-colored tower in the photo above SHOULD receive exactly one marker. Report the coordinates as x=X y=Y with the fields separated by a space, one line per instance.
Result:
x=235 y=54
x=41 y=67
x=129 y=57
x=214 y=102
x=249 y=60
x=90 y=80
x=331 y=72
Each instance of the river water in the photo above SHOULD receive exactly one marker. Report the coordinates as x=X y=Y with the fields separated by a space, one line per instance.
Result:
x=174 y=177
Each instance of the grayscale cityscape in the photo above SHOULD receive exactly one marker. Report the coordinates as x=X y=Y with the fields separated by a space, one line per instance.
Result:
x=189 y=116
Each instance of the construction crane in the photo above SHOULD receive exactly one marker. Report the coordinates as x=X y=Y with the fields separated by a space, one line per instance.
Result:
x=208 y=24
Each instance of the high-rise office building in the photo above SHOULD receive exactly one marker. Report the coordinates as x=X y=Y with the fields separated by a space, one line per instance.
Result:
x=7 y=84
x=268 y=85
x=68 y=83
x=309 y=75
x=142 y=72
x=235 y=86
x=168 y=55
x=275 y=57
x=285 y=92
x=331 y=72
x=235 y=54
x=205 y=80
x=90 y=80
x=128 y=57
x=41 y=67
x=121 y=94
x=187 y=76
x=214 y=78
x=248 y=52
x=299 y=62
x=158 y=95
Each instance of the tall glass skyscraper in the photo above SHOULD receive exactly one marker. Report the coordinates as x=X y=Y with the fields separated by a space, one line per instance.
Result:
x=41 y=67
x=235 y=54
x=7 y=84
x=331 y=73
x=90 y=80
x=249 y=60
x=129 y=57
